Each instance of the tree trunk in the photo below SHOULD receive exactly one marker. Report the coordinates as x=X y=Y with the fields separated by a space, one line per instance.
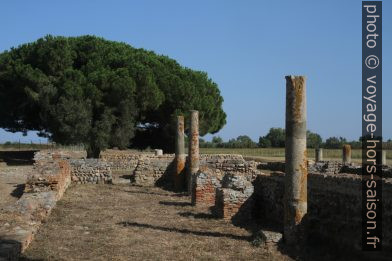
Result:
x=93 y=153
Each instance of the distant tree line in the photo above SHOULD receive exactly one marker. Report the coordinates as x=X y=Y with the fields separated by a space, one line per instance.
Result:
x=276 y=137
x=242 y=141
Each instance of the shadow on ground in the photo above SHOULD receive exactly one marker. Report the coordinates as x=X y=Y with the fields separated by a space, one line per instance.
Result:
x=18 y=158
x=175 y=203
x=11 y=250
x=18 y=191
x=184 y=231
x=198 y=215
x=158 y=194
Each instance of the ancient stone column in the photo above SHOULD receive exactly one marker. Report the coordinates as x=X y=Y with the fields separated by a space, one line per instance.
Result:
x=193 y=153
x=384 y=157
x=319 y=154
x=295 y=198
x=180 y=155
x=346 y=153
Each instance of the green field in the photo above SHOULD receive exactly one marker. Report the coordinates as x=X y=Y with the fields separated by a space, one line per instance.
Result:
x=278 y=153
x=273 y=154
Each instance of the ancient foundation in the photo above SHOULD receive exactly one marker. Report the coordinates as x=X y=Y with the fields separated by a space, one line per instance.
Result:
x=236 y=189
x=91 y=171
x=296 y=159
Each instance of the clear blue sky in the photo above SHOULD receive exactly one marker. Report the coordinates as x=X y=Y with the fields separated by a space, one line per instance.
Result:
x=247 y=47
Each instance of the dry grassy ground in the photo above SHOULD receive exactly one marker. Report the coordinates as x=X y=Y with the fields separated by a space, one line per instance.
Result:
x=12 y=181
x=122 y=222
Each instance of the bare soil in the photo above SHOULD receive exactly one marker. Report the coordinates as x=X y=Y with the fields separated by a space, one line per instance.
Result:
x=123 y=222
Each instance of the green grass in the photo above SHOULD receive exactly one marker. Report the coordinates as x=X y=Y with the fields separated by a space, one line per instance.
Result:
x=279 y=152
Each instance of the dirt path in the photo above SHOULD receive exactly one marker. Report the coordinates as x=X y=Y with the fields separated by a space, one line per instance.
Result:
x=12 y=181
x=121 y=222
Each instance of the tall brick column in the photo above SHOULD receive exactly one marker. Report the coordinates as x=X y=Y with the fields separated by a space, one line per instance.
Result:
x=193 y=153
x=295 y=199
x=346 y=153
x=180 y=155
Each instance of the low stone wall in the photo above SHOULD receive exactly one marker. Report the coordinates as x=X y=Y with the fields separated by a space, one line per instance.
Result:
x=222 y=163
x=334 y=207
x=19 y=223
x=153 y=170
x=122 y=160
x=91 y=171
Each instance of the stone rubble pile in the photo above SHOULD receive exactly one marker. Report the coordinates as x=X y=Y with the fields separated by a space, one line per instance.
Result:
x=234 y=197
x=230 y=196
x=204 y=186
x=49 y=175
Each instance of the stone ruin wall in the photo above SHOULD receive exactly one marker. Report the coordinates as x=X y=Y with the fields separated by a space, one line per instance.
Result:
x=205 y=183
x=19 y=223
x=224 y=183
x=122 y=160
x=153 y=170
x=234 y=198
x=334 y=206
x=83 y=171
x=147 y=169
x=334 y=199
x=222 y=163
x=235 y=188
x=92 y=171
